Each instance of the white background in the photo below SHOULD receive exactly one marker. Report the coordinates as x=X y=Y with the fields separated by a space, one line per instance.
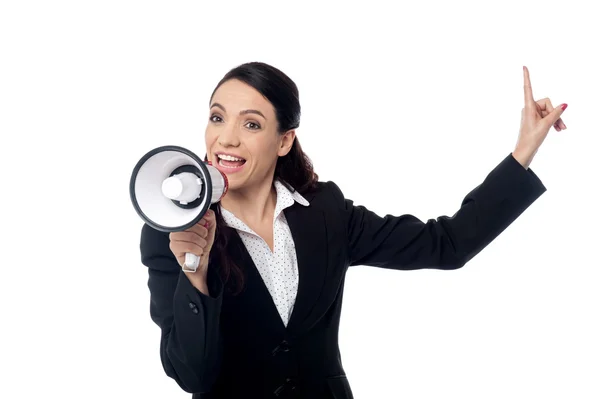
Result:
x=406 y=106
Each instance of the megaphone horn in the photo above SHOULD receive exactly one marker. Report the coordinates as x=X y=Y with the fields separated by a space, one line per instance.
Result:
x=171 y=189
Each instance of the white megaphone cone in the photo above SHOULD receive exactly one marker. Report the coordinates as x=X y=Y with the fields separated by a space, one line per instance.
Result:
x=171 y=189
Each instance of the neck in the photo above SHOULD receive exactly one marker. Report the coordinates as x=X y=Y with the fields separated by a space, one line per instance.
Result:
x=253 y=205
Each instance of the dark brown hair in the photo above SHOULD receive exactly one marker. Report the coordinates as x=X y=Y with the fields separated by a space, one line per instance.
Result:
x=294 y=169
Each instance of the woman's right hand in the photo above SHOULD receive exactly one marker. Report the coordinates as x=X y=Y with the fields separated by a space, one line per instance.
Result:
x=197 y=240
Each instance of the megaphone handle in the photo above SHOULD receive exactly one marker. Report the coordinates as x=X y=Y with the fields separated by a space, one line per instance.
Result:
x=191 y=263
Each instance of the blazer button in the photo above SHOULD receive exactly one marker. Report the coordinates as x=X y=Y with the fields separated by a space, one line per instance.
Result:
x=284 y=346
x=287 y=386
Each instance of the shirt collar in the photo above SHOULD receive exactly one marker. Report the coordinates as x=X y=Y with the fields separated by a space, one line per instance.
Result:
x=285 y=199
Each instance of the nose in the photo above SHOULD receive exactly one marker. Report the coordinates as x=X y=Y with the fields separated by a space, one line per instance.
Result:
x=228 y=136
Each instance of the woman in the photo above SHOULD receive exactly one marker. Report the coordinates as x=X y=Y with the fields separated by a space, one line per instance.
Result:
x=260 y=316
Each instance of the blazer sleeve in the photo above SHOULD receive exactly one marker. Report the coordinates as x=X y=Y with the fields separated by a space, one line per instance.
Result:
x=190 y=343
x=406 y=243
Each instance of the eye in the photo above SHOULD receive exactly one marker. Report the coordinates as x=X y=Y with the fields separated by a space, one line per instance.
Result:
x=252 y=125
x=215 y=118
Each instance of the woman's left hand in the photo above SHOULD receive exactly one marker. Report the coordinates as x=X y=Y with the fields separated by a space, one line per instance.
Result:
x=537 y=117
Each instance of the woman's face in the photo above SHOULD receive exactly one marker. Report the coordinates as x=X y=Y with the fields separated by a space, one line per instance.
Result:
x=242 y=139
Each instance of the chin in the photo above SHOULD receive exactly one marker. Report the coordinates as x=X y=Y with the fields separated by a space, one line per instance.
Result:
x=236 y=181
x=234 y=184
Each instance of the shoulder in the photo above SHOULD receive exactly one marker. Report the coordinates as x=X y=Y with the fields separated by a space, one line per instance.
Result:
x=152 y=238
x=326 y=193
x=154 y=244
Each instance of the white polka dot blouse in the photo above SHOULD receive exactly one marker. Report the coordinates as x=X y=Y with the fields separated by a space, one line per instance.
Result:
x=279 y=268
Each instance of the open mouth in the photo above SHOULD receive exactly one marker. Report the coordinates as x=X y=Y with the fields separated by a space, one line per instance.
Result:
x=229 y=161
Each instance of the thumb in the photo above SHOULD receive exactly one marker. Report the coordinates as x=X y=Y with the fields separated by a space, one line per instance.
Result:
x=211 y=217
x=555 y=115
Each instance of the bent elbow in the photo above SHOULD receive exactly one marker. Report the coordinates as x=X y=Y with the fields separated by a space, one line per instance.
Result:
x=456 y=265
x=199 y=378
x=456 y=262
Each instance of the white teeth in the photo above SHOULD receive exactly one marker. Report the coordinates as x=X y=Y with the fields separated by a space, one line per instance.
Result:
x=229 y=157
x=225 y=166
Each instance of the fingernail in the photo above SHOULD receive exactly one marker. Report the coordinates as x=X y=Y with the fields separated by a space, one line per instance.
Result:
x=564 y=106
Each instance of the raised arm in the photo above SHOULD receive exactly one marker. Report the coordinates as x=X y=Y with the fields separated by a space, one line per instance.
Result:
x=190 y=344
x=405 y=242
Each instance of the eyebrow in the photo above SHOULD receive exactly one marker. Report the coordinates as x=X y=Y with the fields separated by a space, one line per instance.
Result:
x=243 y=112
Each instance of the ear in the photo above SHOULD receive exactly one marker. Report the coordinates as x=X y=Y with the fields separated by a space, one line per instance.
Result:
x=287 y=139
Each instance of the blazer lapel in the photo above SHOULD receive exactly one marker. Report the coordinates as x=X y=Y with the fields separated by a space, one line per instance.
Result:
x=309 y=232
x=255 y=294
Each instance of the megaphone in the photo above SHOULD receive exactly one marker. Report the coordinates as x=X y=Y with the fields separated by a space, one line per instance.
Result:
x=171 y=189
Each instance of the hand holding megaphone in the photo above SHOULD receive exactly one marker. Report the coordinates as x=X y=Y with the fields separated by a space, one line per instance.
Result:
x=197 y=240
x=171 y=189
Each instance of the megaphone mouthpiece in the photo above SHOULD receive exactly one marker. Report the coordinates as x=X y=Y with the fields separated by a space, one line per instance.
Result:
x=183 y=187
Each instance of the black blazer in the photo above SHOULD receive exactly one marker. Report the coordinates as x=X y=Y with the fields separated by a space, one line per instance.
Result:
x=226 y=346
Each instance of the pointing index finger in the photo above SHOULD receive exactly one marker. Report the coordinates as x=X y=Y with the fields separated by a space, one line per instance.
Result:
x=529 y=101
